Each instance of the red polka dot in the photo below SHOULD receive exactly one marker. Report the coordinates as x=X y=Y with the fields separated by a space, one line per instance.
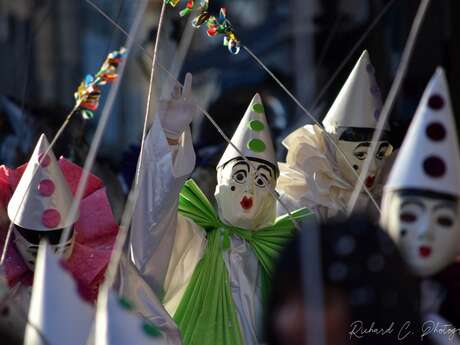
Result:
x=436 y=131
x=51 y=218
x=434 y=166
x=436 y=102
x=45 y=161
x=46 y=188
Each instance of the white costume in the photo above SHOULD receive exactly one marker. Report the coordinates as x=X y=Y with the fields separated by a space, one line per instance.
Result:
x=315 y=174
x=167 y=247
x=420 y=207
x=39 y=207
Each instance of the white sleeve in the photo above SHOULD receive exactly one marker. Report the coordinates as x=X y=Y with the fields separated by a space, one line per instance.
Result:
x=164 y=170
x=131 y=285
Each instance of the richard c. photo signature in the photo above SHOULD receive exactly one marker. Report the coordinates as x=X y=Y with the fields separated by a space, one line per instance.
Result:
x=361 y=329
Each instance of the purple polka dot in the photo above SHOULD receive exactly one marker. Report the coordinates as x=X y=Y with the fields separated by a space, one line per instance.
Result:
x=45 y=161
x=375 y=90
x=46 y=188
x=377 y=113
x=51 y=218
x=436 y=102
x=434 y=166
x=436 y=131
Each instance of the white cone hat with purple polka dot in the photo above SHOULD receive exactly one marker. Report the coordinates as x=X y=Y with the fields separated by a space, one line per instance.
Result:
x=429 y=157
x=252 y=137
x=42 y=198
x=359 y=102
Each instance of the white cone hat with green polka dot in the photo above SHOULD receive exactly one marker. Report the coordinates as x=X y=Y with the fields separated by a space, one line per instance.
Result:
x=359 y=102
x=42 y=198
x=56 y=309
x=252 y=137
x=117 y=323
x=429 y=158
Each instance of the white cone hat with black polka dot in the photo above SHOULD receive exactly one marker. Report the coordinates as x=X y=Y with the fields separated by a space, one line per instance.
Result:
x=42 y=198
x=252 y=137
x=429 y=157
x=359 y=102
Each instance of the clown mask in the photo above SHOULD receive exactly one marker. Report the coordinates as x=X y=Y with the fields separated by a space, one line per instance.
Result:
x=355 y=143
x=425 y=226
x=243 y=194
x=27 y=243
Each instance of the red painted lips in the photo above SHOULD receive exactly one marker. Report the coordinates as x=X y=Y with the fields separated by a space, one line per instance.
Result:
x=370 y=181
x=246 y=203
x=424 y=251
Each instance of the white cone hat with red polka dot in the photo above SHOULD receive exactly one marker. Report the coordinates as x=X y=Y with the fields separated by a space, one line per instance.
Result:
x=429 y=157
x=359 y=102
x=118 y=324
x=56 y=309
x=42 y=198
x=252 y=137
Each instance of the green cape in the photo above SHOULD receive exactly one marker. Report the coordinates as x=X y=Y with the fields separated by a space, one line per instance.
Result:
x=206 y=314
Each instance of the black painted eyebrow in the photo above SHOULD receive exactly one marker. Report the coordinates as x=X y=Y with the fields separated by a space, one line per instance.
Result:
x=363 y=145
x=242 y=163
x=445 y=204
x=415 y=202
x=266 y=168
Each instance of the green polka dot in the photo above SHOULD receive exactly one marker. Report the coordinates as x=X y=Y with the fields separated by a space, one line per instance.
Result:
x=256 y=125
x=256 y=145
x=258 y=108
x=125 y=304
x=150 y=330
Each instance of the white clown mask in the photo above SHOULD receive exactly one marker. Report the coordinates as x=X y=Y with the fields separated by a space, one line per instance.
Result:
x=420 y=205
x=244 y=195
x=27 y=243
x=354 y=144
x=243 y=191
x=425 y=226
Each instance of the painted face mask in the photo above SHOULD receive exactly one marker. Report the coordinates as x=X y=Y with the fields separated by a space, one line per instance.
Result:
x=425 y=227
x=356 y=153
x=243 y=195
x=355 y=144
x=27 y=243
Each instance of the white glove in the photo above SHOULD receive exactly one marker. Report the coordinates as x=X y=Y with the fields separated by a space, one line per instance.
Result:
x=177 y=112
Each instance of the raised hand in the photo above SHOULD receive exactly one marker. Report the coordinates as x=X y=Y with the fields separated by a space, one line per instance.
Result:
x=177 y=112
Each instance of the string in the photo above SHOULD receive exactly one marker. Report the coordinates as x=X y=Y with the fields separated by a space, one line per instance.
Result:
x=311 y=117
x=371 y=27
x=390 y=100
x=149 y=95
x=134 y=192
x=29 y=186
x=208 y=116
x=100 y=129
x=351 y=54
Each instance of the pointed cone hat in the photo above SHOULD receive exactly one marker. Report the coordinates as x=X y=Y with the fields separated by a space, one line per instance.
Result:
x=429 y=157
x=117 y=324
x=252 y=137
x=359 y=102
x=56 y=309
x=42 y=198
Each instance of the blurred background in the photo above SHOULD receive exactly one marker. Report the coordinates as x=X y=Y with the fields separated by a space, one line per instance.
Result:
x=48 y=46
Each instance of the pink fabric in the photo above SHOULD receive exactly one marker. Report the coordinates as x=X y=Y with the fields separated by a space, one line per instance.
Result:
x=95 y=232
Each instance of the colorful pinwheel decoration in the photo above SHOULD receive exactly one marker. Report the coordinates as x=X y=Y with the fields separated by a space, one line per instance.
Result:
x=89 y=93
x=216 y=26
